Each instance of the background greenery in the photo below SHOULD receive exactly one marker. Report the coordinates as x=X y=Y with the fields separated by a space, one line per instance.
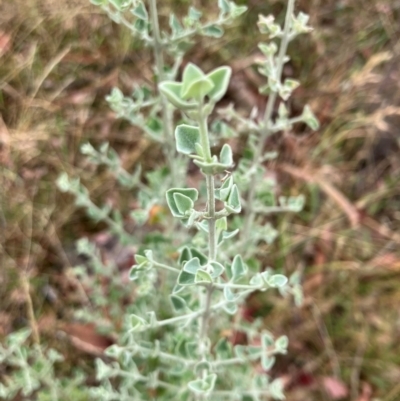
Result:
x=58 y=61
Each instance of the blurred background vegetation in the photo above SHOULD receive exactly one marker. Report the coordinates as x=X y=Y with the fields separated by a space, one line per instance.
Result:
x=59 y=59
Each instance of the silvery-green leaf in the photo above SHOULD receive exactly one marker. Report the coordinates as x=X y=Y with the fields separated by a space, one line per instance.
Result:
x=185 y=278
x=238 y=268
x=188 y=192
x=136 y=322
x=114 y=351
x=229 y=234
x=197 y=254
x=267 y=362
x=224 y=5
x=282 y=343
x=198 y=89
x=140 y=11
x=228 y=294
x=221 y=224
x=192 y=265
x=187 y=137
x=226 y=157
x=267 y=340
x=236 y=10
x=190 y=74
x=217 y=269
x=277 y=280
x=257 y=280
x=214 y=31
x=202 y=277
x=276 y=389
x=172 y=91
x=103 y=371
x=184 y=255
x=183 y=203
x=140 y=25
x=203 y=386
x=220 y=78
x=233 y=204
x=175 y=25
x=178 y=303
x=194 y=14
x=309 y=118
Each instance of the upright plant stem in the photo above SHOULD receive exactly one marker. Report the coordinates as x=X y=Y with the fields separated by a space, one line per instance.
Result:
x=166 y=112
x=206 y=294
x=269 y=109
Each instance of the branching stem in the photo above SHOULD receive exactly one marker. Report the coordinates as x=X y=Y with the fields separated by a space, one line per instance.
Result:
x=165 y=108
x=268 y=126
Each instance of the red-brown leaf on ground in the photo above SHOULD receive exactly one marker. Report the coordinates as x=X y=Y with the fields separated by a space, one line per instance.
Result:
x=86 y=338
x=5 y=42
x=5 y=158
x=335 y=388
x=366 y=392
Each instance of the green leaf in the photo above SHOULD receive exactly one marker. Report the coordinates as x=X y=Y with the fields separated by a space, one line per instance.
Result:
x=188 y=192
x=221 y=224
x=237 y=10
x=282 y=343
x=183 y=203
x=238 y=269
x=228 y=294
x=267 y=362
x=257 y=280
x=186 y=138
x=191 y=73
x=276 y=389
x=225 y=157
x=267 y=340
x=214 y=31
x=184 y=256
x=175 y=25
x=277 y=280
x=309 y=118
x=233 y=204
x=224 y=6
x=229 y=234
x=185 y=278
x=192 y=266
x=196 y=253
x=220 y=78
x=198 y=89
x=136 y=322
x=155 y=128
x=140 y=25
x=103 y=371
x=202 y=277
x=120 y=4
x=140 y=11
x=178 y=303
x=223 y=348
x=217 y=269
x=172 y=91
x=203 y=386
x=194 y=14
x=226 y=189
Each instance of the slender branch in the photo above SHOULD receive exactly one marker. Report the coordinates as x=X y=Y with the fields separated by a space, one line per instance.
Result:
x=268 y=130
x=166 y=112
